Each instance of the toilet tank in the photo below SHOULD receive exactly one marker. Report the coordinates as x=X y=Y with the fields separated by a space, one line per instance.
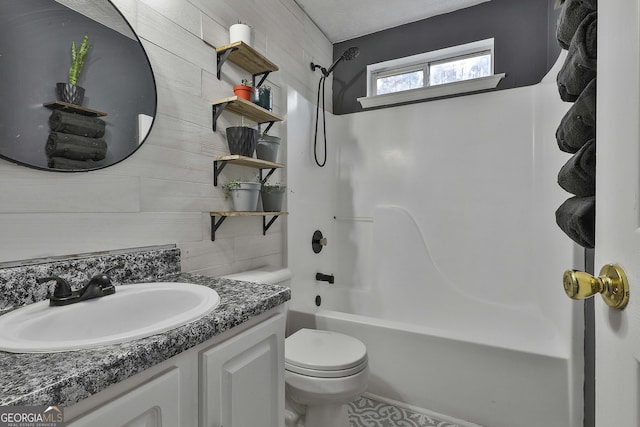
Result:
x=269 y=275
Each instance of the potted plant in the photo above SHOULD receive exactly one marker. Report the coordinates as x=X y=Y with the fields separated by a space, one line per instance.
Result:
x=267 y=148
x=272 y=197
x=70 y=92
x=242 y=139
x=240 y=32
x=243 y=194
x=244 y=90
x=263 y=97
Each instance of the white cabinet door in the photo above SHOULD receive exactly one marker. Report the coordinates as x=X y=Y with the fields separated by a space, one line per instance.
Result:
x=242 y=379
x=155 y=403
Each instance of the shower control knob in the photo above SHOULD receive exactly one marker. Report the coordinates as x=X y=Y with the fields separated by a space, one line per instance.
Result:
x=318 y=241
x=612 y=284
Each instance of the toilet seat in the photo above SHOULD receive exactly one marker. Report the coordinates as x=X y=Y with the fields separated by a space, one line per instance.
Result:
x=324 y=354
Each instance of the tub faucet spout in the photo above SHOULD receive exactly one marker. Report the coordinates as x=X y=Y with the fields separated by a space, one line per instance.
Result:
x=325 y=277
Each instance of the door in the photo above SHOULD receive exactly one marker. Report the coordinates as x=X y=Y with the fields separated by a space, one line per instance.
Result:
x=155 y=403
x=242 y=379
x=617 y=210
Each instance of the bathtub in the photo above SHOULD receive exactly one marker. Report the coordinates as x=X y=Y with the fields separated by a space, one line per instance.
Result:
x=483 y=384
x=435 y=347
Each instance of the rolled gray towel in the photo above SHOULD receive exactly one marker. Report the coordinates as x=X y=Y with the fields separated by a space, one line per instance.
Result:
x=75 y=147
x=578 y=175
x=579 y=67
x=76 y=124
x=68 y=164
x=579 y=123
x=577 y=218
x=571 y=15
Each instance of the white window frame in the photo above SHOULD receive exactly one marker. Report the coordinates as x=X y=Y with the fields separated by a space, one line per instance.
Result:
x=423 y=60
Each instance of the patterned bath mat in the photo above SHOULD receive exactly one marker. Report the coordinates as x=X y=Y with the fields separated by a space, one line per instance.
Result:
x=365 y=412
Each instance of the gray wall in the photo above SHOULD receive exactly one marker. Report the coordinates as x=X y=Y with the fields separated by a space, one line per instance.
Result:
x=35 y=43
x=525 y=47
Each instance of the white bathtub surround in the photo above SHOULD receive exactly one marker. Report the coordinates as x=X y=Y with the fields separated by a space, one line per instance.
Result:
x=447 y=259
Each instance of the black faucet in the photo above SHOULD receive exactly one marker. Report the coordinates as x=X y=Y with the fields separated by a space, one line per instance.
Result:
x=100 y=285
x=325 y=277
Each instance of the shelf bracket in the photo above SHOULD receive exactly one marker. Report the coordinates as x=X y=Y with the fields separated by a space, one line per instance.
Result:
x=266 y=225
x=222 y=58
x=216 y=110
x=217 y=169
x=264 y=77
x=263 y=180
x=268 y=127
x=215 y=225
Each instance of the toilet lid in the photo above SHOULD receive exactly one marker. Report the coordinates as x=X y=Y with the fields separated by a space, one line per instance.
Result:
x=317 y=353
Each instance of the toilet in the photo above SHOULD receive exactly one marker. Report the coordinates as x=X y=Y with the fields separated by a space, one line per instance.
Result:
x=324 y=370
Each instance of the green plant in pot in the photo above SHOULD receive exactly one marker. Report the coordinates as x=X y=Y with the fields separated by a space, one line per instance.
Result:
x=263 y=97
x=244 y=194
x=272 y=197
x=244 y=90
x=70 y=92
x=242 y=139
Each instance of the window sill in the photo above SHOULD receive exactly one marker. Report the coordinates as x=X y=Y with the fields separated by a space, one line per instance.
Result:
x=455 y=88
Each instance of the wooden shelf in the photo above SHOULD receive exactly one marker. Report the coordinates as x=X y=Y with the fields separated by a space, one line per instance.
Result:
x=252 y=61
x=72 y=108
x=221 y=161
x=244 y=108
x=224 y=215
x=246 y=57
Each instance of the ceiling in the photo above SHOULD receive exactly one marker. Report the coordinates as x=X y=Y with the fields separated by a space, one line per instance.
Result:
x=342 y=20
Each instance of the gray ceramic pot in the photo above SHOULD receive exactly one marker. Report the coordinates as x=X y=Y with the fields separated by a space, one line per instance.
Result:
x=272 y=199
x=242 y=140
x=267 y=148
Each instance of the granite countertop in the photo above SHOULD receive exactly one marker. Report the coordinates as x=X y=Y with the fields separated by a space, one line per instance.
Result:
x=66 y=378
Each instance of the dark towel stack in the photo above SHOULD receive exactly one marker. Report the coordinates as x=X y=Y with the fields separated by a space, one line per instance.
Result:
x=577 y=32
x=75 y=141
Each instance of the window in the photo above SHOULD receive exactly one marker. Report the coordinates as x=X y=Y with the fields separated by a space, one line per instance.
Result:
x=457 y=69
x=461 y=68
x=399 y=80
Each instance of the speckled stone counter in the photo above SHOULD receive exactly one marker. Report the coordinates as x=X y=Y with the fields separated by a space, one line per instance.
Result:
x=68 y=377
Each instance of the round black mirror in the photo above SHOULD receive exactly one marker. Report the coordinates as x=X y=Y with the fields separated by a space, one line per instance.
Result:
x=44 y=124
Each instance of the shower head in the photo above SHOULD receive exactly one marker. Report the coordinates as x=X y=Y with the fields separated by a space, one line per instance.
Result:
x=351 y=53
x=347 y=55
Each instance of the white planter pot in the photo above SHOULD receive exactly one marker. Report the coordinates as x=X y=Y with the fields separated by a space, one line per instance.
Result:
x=240 y=32
x=245 y=197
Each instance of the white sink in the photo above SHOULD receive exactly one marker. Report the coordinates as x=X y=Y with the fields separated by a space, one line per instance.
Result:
x=134 y=311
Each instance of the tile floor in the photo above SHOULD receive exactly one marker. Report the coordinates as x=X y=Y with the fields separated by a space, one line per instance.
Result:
x=365 y=412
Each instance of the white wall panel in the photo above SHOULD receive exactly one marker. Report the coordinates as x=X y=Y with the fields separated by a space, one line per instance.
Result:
x=35 y=235
x=173 y=72
x=38 y=191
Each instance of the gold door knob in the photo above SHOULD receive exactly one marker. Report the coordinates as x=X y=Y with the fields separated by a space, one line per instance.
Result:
x=612 y=284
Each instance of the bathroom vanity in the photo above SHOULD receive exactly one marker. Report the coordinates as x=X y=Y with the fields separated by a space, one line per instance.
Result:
x=235 y=378
x=223 y=369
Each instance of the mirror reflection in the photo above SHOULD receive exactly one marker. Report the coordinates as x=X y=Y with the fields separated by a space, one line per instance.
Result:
x=44 y=123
